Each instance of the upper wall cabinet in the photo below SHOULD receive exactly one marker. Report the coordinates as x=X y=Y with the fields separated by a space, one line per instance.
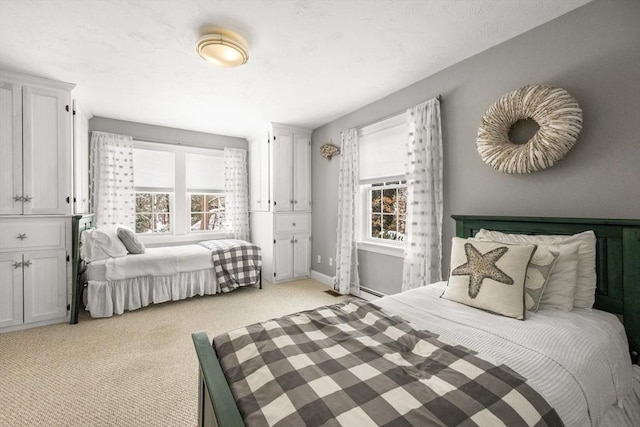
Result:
x=35 y=146
x=280 y=170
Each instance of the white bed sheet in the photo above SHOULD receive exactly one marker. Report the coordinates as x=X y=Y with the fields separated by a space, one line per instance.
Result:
x=160 y=274
x=163 y=261
x=581 y=384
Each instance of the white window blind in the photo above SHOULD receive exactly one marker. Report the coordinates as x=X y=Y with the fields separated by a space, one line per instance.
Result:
x=153 y=169
x=204 y=172
x=382 y=148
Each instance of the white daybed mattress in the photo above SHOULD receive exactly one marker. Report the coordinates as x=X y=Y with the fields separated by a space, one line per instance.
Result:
x=589 y=385
x=160 y=274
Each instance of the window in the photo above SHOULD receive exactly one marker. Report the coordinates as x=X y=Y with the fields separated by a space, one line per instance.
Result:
x=153 y=180
x=383 y=185
x=207 y=212
x=179 y=189
x=153 y=212
x=386 y=211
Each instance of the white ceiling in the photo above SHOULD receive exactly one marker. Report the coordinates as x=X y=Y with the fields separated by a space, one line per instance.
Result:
x=310 y=62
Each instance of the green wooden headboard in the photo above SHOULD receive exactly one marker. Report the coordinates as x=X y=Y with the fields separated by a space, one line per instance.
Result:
x=617 y=257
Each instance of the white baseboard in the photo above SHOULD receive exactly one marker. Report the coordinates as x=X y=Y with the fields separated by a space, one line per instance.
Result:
x=322 y=278
x=365 y=293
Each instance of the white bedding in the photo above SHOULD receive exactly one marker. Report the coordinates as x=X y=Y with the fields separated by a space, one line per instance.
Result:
x=581 y=384
x=162 y=261
x=160 y=274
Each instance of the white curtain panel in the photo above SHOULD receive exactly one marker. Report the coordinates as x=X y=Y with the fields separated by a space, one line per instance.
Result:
x=112 y=197
x=347 y=279
x=423 y=239
x=236 y=193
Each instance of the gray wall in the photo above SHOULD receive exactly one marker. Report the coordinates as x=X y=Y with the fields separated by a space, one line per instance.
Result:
x=592 y=52
x=161 y=133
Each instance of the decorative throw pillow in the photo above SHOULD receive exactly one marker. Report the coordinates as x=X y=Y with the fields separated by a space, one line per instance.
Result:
x=101 y=243
x=130 y=240
x=489 y=275
x=538 y=273
x=585 y=291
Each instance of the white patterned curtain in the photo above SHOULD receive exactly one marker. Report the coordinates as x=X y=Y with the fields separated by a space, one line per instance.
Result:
x=236 y=193
x=112 y=197
x=423 y=239
x=347 y=279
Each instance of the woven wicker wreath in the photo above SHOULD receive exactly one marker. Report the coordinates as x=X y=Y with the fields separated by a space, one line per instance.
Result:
x=555 y=111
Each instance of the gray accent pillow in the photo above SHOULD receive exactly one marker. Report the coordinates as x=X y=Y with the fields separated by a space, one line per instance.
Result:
x=130 y=240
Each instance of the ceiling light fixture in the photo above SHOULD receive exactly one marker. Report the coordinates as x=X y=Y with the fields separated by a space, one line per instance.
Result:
x=223 y=50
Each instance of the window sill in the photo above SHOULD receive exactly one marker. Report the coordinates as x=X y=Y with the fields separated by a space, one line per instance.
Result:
x=152 y=240
x=381 y=248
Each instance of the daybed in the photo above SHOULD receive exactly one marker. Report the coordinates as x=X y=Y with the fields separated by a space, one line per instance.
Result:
x=124 y=283
x=417 y=358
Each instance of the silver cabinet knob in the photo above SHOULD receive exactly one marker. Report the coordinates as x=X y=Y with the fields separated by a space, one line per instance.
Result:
x=293 y=224
x=27 y=198
x=17 y=264
x=22 y=236
x=17 y=198
x=26 y=264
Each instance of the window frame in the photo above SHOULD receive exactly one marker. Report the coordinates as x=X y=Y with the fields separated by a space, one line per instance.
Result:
x=191 y=213
x=180 y=220
x=364 y=240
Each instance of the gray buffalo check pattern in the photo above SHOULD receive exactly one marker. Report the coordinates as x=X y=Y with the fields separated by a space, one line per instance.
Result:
x=236 y=262
x=351 y=364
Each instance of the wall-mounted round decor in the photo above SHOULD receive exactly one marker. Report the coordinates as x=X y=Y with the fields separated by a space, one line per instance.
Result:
x=555 y=111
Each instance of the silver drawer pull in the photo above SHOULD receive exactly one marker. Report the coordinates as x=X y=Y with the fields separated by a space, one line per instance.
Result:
x=26 y=264
x=22 y=236
x=17 y=264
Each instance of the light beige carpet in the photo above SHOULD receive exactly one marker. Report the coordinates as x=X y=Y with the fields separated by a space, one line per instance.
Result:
x=136 y=369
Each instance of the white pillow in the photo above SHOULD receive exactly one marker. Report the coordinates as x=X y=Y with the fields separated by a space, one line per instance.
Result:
x=585 y=293
x=489 y=275
x=101 y=243
x=561 y=284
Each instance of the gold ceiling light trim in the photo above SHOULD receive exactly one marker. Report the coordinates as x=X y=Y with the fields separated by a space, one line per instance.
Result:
x=223 y=50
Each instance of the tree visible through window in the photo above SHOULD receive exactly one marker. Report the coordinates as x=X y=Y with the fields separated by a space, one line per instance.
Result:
x=387 y=210
x=207 y=212
x=153 y=212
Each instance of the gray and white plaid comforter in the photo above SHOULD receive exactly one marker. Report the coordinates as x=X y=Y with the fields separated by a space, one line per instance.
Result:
x=351 y=364
x=236 y=262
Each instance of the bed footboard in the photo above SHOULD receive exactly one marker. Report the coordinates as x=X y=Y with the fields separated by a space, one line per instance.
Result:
x=216 y=406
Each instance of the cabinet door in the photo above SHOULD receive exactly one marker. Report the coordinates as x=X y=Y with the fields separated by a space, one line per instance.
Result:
x=301 y=255
x=283 y=258
x=302 y=173
x=45 y=293
x=80 y=161
x=46 y=152
x=281 y=149
x=259 y=174
x=10 y=148
x=10 y=289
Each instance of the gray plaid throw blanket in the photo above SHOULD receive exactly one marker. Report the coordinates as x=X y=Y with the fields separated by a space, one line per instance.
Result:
x=351 y=364
x=236 y=262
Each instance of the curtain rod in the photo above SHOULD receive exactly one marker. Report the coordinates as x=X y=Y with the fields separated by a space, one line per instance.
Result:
x=438 y=97
x=170 y=142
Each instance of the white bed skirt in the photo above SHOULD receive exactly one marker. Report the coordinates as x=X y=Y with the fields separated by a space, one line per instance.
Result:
x=104 y=299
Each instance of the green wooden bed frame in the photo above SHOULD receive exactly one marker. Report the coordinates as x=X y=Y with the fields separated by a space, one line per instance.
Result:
x=618 y=292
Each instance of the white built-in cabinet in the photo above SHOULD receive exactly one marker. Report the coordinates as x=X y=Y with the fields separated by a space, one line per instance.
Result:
x=280 y=200
x=36 y=193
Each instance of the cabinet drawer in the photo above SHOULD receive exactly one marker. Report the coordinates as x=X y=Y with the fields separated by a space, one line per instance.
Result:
x=300 y=223
x=42 y=234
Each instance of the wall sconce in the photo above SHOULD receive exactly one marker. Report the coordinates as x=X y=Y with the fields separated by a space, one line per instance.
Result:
x=329 y=150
